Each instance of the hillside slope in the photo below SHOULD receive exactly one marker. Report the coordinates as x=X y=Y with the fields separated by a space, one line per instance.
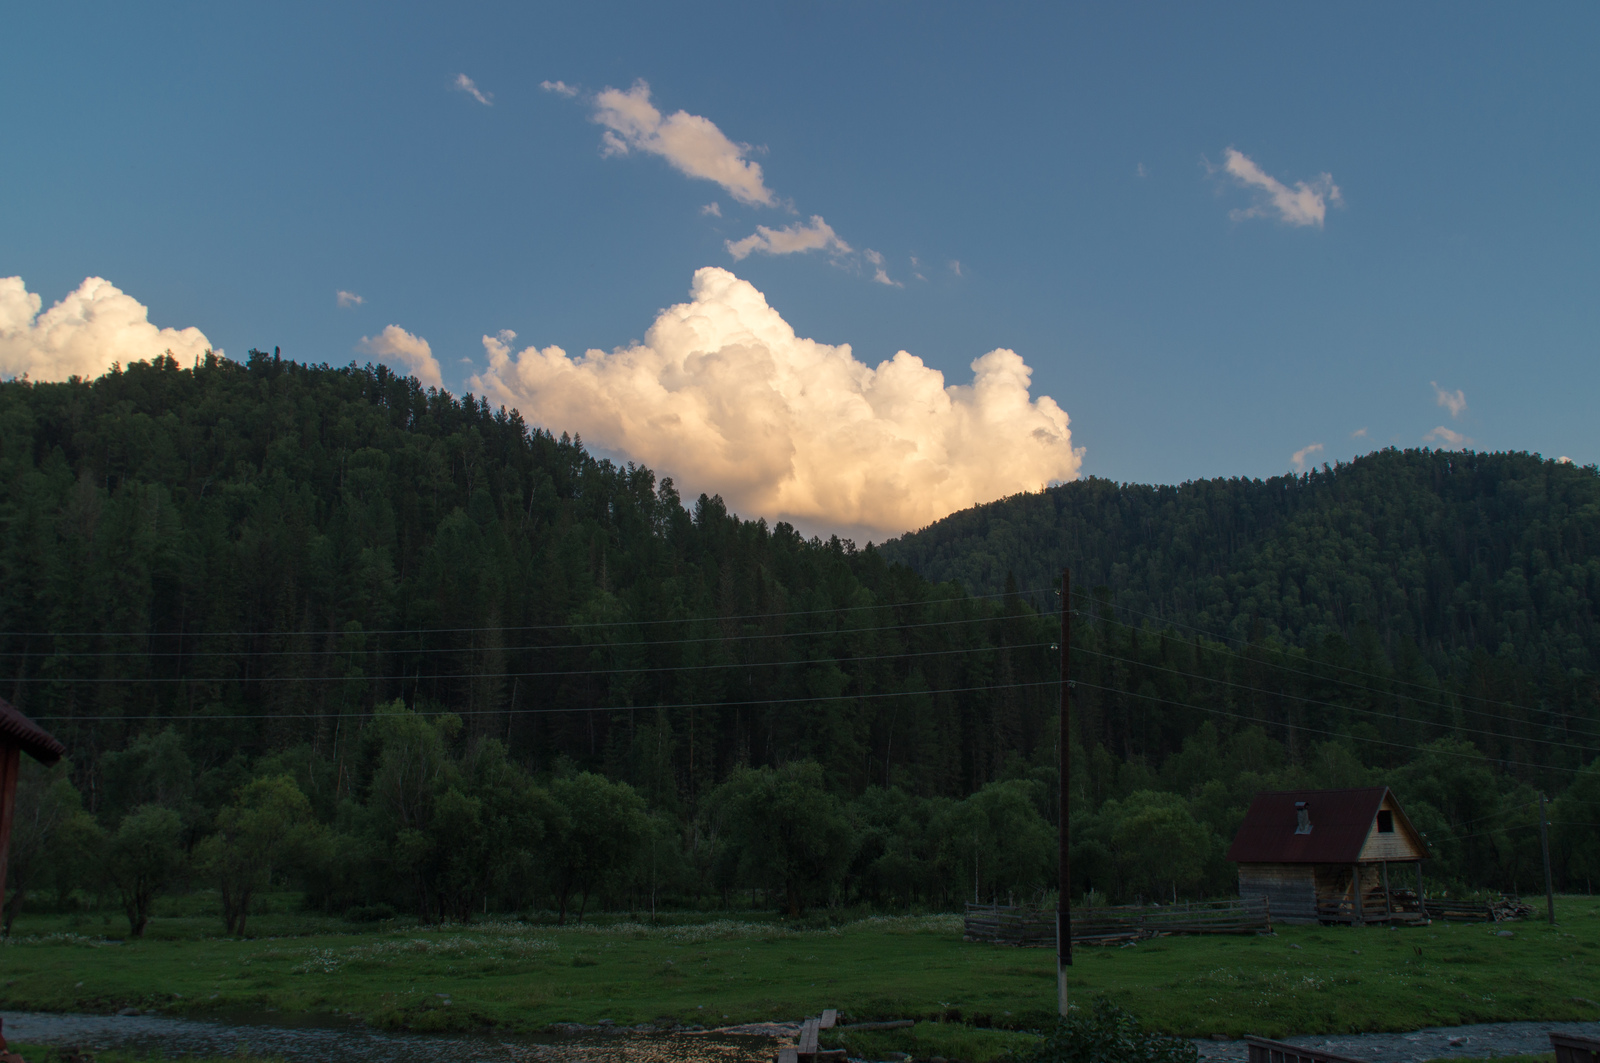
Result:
x=1457 y=552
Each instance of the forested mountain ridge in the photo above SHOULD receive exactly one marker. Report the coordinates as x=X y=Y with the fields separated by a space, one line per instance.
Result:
x=402 y=649
x=1455 y=551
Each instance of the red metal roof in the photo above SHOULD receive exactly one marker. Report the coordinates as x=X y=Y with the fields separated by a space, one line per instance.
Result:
x=1340 y=823
x=17 y=730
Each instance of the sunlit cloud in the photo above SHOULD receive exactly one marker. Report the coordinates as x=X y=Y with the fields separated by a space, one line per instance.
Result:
x=1359 y=433
x=84 y=334
x=412 y=352
x=470 y=87
x=816 y=235
x=348 y=299
x=693 y=145
x=1299 y=457
x=1454 y=401
x=955 y=267
x=560 y=88
x=1445 y=435
x=714 y=209
x=723 y=396
x=1304 y=204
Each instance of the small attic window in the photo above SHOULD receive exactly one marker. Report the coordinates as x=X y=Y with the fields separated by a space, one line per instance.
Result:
x=1302 y=818
x=1385 y=822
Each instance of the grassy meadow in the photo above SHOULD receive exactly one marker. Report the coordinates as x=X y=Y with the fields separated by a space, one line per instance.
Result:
x=720 y=971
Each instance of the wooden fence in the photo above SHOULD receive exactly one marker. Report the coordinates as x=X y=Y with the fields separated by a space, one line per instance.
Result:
x=1003 y=925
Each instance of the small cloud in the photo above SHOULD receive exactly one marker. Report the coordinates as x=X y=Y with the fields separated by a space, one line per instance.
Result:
x=1141 y=171
x=1359 y=433
x=713 y=208
x=693 y=145
x=1299 y=456
x=412 y=351
x=792 y=239
x=1454 y=401
x=560 y=88
x=955 y=267
x=470 y=87
x=1443 y=434
x=348 y=299
x=1304 y=204
x=881 y=276
x=1563 y=460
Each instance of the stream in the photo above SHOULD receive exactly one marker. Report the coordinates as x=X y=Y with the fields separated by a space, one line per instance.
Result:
x=327 y=1039
x=331 y=1040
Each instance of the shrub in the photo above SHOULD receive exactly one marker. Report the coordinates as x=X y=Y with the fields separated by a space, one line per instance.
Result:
x=1108 y=1034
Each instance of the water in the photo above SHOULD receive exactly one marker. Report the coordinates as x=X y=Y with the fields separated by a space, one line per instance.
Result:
x=330 y=1040
x=1441 y=1042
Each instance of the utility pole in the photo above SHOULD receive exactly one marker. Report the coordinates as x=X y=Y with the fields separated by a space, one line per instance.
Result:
x=1544 y=843
x=1064 y=895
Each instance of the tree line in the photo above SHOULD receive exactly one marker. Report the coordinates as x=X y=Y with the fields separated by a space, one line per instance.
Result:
x=317 y=627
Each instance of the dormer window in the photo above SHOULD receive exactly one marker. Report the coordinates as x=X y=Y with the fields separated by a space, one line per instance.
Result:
x=1302 y=818
x=1385 y=822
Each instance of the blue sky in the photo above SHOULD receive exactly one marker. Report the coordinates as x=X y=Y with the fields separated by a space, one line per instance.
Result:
x=233 y=167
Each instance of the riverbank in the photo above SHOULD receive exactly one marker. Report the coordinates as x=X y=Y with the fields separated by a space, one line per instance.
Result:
x=522 y=977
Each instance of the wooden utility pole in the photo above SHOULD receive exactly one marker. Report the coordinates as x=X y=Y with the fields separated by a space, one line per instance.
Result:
x=1064 y=872
x=1544 y=843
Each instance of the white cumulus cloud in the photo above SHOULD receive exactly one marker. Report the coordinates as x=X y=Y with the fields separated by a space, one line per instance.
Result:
x=817 y=235
x=1454 y=401
x=347 y=299
x=1299 y=457
x=470 y=87
x=691 y=144
x=560 y=88
x=413 y=352
x=1304 y=204
x=84 y=333
x=1445 y=435
x=725 y=397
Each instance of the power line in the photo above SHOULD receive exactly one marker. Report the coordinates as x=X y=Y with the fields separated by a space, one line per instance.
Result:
x=1334 y=705
x=541 y=711
x=518 y=627
x=1317 y=730
x=521 y=674
x=1331 y=667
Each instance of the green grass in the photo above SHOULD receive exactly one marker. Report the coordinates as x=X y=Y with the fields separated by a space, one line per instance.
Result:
x=522 y=976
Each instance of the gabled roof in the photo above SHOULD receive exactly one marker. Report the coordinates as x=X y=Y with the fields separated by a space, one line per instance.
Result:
x=1341 y=820
x=17 y=730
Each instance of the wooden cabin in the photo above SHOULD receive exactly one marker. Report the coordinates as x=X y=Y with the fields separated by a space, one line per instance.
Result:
x=18 y=735
x=1331 y=856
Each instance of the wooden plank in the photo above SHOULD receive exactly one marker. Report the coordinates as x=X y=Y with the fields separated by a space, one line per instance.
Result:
x=830 y=1016
x=808 y=1038
x=788 y=1055
x=1264 y=1051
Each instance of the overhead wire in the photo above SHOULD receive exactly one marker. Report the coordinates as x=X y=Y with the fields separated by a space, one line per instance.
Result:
x=517 y=674
x=370 y=713
x=1317 y=730
x=632 y=622
x=1232 y=639
x=1333 y=705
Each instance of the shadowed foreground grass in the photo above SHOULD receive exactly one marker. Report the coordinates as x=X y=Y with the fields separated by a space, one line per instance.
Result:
x=520 y=976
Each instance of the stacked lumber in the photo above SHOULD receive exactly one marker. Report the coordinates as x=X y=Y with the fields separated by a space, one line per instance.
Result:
x=1029 y=927
x=1506 y=908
